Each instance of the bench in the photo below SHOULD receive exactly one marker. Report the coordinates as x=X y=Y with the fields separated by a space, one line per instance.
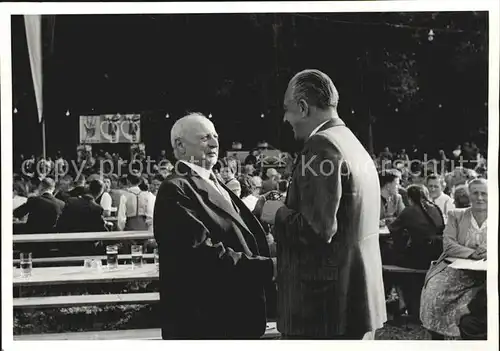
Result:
x=102 y=299
x=85 y=300
x=398 y=269
x=131 y=334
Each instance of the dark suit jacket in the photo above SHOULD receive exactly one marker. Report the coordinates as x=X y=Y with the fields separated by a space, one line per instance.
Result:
x=77 y=191
x=81 y=214
x=214 y=262
x=329 y=266
x=417 y=238
x=63 y=195
x=43 y=212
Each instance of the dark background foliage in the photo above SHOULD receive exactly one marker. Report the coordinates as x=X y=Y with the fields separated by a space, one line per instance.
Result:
x=236 y=66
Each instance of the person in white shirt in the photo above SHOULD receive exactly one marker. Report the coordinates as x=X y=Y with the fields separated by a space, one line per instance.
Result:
x=106 y=201
x=435 y=185
x=249 y=191
x=118 y=199
x=139 y=205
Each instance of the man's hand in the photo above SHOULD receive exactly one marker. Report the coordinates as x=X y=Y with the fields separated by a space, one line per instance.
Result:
x=388 y=221
x=479 y=254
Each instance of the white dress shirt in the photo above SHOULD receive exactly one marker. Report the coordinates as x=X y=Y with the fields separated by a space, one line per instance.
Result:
x=205 y=175
x=121 y=213
x=18 y=201
x=140 y=203
x=315 y=130
x=250 y=201
x=445 y=204
x=106 y=201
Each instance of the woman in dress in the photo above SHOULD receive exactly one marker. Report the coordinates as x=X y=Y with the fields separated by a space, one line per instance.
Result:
x=249 y=191
x=417 y=235
x=448 y=291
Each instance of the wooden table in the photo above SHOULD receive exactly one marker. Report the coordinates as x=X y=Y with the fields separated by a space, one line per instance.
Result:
x=81 y=259
x=72 y=275
x=72 y=237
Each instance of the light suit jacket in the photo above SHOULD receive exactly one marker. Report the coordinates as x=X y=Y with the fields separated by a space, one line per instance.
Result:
x=329 y=267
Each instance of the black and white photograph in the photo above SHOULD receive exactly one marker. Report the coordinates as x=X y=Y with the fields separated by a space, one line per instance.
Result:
x=224 y=171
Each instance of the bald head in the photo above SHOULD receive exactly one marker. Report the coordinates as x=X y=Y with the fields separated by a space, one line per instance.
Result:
x=181 y=126
x=194 y=139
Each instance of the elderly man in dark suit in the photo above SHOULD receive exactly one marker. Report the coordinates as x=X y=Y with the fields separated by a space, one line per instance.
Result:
x=214 y=257
x=329 y=267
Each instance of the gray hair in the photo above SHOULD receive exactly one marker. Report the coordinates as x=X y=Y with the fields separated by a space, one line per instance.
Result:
x=476 y=181
x=316 y=88
x=182 y=125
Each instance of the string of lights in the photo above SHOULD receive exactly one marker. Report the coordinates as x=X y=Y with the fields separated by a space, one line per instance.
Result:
x=147 y=112
x=393 y=25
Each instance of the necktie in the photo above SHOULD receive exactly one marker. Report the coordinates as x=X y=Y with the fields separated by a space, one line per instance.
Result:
x=220 y=189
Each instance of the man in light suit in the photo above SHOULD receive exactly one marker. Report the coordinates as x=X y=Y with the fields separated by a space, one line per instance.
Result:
x=329 y=267
x=214 y=257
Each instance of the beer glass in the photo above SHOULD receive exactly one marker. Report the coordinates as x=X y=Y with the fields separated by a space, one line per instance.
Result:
x=112 y=256
x=137 y=254
x=26 y=264
x=157 y=258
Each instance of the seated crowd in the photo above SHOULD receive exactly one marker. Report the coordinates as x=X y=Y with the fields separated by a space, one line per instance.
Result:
x=431 y=216
x=429 y=223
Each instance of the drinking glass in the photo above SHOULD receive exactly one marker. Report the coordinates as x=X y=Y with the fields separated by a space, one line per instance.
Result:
x=87 y=263
x=26 y=264
x=137 y=254
x=96 y=266
x=157 y=258
x=112 y=256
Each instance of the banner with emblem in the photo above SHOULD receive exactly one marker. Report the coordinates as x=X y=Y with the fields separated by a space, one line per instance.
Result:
x=110 y=129
x=273 y=158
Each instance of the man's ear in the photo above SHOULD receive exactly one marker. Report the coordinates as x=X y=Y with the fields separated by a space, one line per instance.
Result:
x=180 y=146
x=303 y=107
